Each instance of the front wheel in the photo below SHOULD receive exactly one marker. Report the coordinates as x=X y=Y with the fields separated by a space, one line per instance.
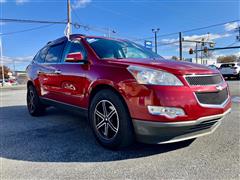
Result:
x=238 y=76
x=110 y=120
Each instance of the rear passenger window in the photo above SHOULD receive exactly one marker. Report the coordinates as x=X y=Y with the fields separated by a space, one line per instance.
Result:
x=54 y=54
x=35 y=59
x=40 y=56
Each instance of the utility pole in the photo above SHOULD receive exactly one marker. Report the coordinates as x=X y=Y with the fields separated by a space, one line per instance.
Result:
x=202 y=44
x=180 y=46
x=68 y=28
x=1 y=56
x=155 y=31
x=196 y=52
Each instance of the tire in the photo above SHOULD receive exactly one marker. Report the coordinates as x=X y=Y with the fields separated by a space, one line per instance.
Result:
x=238 y=76
x=110 y=120
x=35 y=107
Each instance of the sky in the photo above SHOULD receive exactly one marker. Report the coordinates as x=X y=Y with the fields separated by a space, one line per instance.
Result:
x=133 y=20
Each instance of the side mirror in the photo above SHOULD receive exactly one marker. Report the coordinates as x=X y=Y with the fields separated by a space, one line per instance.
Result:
x=74 y=57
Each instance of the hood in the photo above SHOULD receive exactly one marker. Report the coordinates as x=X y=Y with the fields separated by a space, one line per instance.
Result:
x=172 y=66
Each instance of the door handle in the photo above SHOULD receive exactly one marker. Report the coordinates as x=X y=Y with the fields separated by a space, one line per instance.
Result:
x=57 y=72
x=40 y=72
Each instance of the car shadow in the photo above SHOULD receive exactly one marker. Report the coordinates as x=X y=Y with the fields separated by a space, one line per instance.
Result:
x=61 y=136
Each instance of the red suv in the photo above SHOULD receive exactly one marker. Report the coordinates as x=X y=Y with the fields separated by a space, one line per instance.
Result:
x=127 y=91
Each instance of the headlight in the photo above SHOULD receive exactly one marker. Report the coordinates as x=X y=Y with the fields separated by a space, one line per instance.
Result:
x=155 y=77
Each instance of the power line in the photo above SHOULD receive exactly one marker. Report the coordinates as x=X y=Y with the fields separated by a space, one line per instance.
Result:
x=27 y=30
x=44 y=26
x=161 y=43
x=87 y=27
x=31 y=21
x=190 y=30
x=210 y=26
x=98 y=29
x=163 y=35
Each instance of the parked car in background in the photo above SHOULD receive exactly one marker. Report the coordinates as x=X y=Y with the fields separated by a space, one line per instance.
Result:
x=212 y=66
x=229 y=70
x=127 y=91
x=5 y=83
x=13 y=82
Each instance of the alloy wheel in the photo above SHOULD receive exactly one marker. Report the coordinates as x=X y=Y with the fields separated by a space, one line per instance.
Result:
x=106 y=119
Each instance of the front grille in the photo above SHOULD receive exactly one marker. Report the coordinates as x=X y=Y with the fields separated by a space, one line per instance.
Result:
x=203 y=125
x=214 y=98
x=204 y=80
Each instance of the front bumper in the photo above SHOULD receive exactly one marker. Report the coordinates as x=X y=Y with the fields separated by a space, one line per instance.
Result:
x=169 y=132
x=138 y=97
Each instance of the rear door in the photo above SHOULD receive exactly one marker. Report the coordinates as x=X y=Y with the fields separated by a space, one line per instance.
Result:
x=49 y=73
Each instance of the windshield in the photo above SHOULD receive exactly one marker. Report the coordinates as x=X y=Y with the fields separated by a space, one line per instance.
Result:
x=106 y=48
x=227 y=65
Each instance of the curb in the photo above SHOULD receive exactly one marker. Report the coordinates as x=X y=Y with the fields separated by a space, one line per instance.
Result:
x=18 y=87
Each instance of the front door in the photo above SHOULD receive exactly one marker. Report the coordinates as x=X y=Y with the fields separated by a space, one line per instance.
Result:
x=72 y=81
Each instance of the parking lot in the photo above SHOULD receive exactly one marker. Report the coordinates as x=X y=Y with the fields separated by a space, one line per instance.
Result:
x=60 y=145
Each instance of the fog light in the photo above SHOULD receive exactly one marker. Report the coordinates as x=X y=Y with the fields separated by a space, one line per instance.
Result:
x=170 y=112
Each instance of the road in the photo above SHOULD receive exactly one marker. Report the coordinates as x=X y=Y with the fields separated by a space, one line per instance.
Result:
x=60 y=145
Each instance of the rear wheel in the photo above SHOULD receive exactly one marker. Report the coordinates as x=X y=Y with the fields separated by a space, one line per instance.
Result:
x=35 y=107
x=110 y=120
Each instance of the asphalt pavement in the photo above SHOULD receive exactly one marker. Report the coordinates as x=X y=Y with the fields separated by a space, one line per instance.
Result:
x=60 y=145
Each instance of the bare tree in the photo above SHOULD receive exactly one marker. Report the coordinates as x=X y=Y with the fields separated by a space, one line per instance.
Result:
x=6 y=71
x=226 y=59
x=174 y=58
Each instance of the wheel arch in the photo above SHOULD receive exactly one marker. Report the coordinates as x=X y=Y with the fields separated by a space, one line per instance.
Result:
x=29 y=83
x=32 y=83
x=100 y=87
